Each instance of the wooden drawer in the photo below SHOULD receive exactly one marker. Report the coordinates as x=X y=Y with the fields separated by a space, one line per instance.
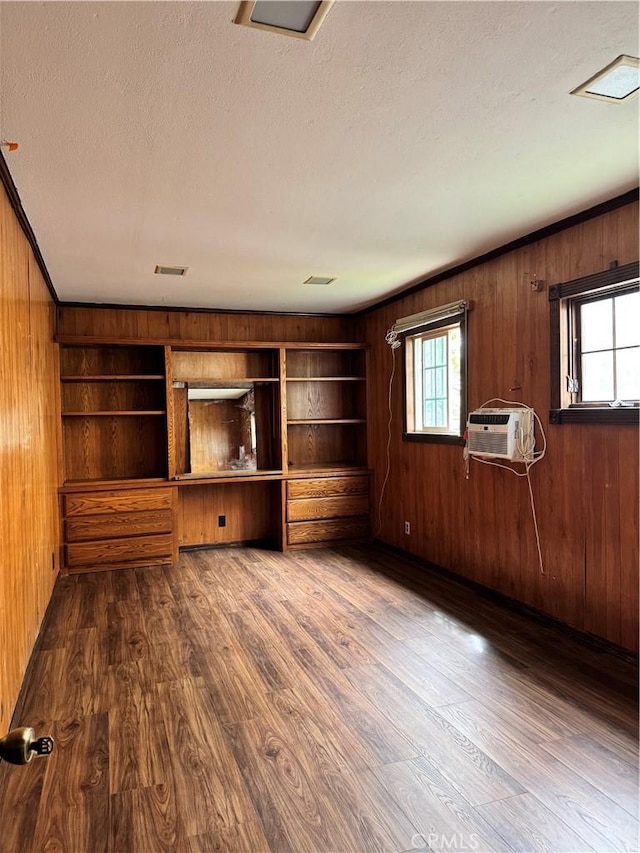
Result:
x=82 y=528
x=131 y=500
x=318 y=487
x=120 y=551
x=309 y=509
x=305 y=532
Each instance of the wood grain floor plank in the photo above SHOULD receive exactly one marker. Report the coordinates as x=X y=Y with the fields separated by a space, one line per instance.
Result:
x=77 y=782
x=245 y=837
x=443 y=819
x=20 y=798
x=210 y=794
x=146 y=819
x=587 y=811
x=288 y=803
x=602 y=767
x=526 y=825
x=316 y=701
x=367 y=824
x=472 y=772
x=336 y=641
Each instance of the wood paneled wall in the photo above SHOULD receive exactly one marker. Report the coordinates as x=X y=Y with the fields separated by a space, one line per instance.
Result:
x=586 y=488
x=201 y=326
x=29 y=455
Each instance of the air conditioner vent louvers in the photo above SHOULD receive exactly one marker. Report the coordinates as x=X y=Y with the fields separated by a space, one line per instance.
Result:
x=490 y=442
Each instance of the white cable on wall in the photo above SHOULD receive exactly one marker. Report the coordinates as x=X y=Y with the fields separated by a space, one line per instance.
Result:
x=391 y=339
x=531 y=457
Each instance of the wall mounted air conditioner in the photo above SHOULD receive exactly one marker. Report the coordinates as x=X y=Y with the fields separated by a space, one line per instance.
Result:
x=501 y=434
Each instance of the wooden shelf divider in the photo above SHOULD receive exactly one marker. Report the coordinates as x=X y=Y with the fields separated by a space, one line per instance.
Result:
x=325 y=379
x=120 y=377
x=311 y=421
x=114 y=413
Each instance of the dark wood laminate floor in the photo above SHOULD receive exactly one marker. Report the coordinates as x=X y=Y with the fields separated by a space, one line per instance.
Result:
x=330 y=700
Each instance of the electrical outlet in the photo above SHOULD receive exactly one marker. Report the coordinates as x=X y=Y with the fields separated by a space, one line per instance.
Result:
x=407 y=527
x=222 y=521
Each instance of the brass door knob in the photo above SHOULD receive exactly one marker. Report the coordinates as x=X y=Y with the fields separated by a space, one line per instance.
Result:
x=20 y=745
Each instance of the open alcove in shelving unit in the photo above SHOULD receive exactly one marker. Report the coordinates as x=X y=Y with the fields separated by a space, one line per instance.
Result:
x=326 y=409
x=113 y=412
x=225 y=413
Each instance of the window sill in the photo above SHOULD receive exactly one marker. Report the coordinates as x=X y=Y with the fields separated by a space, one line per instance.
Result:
x=433 y=438
x=596 y=415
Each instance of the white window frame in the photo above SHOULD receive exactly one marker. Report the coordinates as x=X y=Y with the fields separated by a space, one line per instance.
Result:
x=414 y=430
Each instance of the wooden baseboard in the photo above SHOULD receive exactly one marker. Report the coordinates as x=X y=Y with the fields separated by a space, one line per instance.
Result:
x=592 y=640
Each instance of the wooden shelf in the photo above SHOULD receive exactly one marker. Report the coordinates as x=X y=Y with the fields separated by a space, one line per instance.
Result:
x=114 y=413
x=311 y=421
x=327 y=470
x=253 y=476
x=123 y=377
x=325 y=378
x=226 y=383
x=104 y=484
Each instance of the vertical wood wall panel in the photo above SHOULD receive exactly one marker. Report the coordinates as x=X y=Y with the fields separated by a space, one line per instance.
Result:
x=586 y=488
x=202 y=326
x=29 y=455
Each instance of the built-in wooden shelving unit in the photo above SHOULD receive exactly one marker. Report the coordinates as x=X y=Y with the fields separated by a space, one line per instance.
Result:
x=160 y=436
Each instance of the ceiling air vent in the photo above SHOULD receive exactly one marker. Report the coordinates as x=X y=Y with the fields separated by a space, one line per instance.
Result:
x=298 y=18
x=163 y=270
x=319 y=279
x=617 y=83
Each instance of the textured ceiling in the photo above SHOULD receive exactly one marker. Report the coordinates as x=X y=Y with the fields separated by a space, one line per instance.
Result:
x=407 y=137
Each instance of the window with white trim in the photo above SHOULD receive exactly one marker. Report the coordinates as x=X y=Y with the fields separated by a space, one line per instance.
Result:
x=606 y=347
x=595 y=347
x=434 y=382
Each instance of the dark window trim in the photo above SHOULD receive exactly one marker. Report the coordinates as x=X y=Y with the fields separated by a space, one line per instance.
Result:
x=561 y=350
x=575 y=326
x=461 y=319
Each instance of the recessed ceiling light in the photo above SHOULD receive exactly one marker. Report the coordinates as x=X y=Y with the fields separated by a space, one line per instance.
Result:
x=162 y=270
x=616 y=83
x=319 y=279
x=298 y=18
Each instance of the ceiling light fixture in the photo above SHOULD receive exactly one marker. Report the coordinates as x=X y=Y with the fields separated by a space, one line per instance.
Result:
x=616 y=83
x=163 y=270
x=319 y=279
x=298 y=18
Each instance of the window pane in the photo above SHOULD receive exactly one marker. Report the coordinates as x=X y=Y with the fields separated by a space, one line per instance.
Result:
x=596 y=325
x=441 y=375
x=429 y=413
x=627 y=320
x=597 y=377
x=429 y=390
x=441 y=420
x=429 y=352
x=628 y=374
x=441 y=350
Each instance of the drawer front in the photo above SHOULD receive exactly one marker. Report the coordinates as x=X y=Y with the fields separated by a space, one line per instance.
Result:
x=81 y=528
x=304 y=532
x=103 y=503
x=319 y=487
x=119 y=551
x=308 y=509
